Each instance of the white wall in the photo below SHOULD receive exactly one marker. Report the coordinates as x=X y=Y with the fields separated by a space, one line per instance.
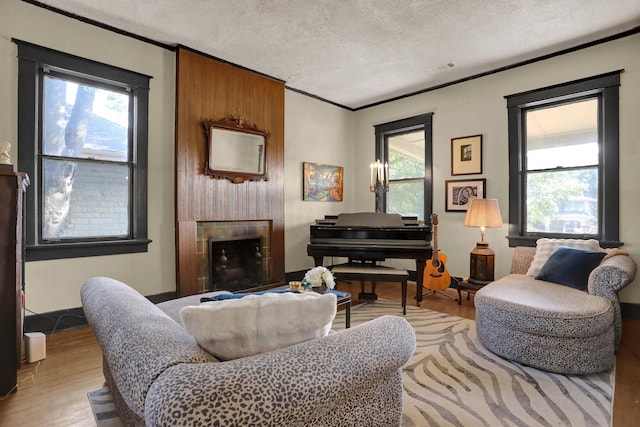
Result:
x=55 y=285
x=316 y=132
x=478 y=107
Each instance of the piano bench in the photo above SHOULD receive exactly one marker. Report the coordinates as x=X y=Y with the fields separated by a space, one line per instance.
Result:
x=373 y=273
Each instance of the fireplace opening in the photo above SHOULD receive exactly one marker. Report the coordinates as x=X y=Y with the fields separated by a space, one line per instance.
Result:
x=235 y=263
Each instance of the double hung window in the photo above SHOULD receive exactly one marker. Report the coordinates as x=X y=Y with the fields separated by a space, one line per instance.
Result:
x=406 y=146
x=83 y=142
x=563 y=151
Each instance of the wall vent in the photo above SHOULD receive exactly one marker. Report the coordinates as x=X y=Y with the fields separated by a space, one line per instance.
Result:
x=441 y=68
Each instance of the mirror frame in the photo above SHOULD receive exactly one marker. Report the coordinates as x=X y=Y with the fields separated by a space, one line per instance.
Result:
x=234 y=124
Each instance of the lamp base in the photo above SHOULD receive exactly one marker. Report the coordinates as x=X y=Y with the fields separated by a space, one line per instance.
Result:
x=482 y=263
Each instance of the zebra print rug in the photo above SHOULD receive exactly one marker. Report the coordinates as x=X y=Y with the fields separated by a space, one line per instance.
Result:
x=104 y=410
x=452 y=380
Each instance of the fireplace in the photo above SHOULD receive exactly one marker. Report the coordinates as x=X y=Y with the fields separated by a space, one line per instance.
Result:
x=246 y=262
x=235 y=263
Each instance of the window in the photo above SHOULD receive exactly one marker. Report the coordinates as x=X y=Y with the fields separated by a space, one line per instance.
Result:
x=406 y=146
x=563 y=162
x=82 y=139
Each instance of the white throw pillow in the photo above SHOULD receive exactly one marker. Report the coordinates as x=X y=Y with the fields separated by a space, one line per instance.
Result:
x=544 y=248
x=234 y=328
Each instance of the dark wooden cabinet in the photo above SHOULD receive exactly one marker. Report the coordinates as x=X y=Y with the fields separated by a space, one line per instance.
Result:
x=12 y=186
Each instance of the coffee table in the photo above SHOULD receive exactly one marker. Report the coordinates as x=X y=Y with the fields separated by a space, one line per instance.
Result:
x=343 y=299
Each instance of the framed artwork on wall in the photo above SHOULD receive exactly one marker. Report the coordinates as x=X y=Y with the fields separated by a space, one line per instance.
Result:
x=459 y=192
x=322 y=183
x=466 y=155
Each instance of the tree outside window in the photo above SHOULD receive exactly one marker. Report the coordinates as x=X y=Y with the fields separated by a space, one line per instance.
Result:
x=85 y=161
x=406 y=174
x=562 y=168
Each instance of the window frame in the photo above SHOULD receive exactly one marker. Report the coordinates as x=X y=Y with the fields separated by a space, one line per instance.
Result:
x=606 y=88
x=33 y=62
x=398 y=127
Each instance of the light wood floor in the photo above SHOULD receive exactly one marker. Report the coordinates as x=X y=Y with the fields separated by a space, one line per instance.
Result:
x=54 y=392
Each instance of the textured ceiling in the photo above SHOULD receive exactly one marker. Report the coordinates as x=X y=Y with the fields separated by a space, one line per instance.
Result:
x=359 y=52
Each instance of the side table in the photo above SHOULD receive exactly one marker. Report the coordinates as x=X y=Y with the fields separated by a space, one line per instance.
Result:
x=469 y=287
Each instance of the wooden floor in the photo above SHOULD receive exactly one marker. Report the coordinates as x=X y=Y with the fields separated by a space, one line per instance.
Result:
x=54 y=392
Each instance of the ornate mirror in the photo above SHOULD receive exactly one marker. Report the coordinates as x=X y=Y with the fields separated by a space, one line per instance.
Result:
x=235 y=150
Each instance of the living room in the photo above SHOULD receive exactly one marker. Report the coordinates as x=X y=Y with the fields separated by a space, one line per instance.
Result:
x=319 y=132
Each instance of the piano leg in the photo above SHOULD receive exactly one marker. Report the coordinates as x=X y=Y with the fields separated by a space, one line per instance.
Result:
x=420 y=264
x=318 y=260
x=367 y=296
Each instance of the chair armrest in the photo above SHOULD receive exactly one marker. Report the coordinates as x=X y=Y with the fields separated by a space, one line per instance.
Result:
x=607 y=279
x=612 y=275
x=293 y=385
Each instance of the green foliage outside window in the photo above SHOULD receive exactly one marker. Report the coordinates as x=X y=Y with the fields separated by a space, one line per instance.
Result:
x=406 y=188
x=550 y=195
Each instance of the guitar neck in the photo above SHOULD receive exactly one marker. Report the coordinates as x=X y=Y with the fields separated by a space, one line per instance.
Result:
x=435 y=238
x=435 y=241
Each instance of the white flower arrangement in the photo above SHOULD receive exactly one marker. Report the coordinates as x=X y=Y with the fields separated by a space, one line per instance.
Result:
x=318 y=276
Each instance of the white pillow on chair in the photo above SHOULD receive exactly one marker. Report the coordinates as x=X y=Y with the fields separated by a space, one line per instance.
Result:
x=234 y=328
x=544 y=248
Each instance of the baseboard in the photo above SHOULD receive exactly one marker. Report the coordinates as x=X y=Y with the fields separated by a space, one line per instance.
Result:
x=294 y=276
x=158 y=298
x=630 y=310
x=56 y=321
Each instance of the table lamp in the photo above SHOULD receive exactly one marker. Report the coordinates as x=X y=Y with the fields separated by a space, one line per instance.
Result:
x=482 y=213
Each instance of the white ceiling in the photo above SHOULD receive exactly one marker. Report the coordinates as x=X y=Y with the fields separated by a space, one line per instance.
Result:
x=359 y=52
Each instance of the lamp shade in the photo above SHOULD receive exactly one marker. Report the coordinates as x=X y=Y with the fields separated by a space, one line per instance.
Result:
x=483 y=213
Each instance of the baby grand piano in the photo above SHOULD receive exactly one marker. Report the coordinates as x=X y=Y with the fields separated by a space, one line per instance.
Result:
x=372 y=236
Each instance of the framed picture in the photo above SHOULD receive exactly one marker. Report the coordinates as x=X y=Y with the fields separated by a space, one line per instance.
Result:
x=459 y=192
x=322 y=183
x=466 y=155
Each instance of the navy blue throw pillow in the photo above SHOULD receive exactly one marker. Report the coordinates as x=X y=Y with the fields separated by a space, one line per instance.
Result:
x=570 y=267
x=224 y=296
x=339 y=294
x=228 y=295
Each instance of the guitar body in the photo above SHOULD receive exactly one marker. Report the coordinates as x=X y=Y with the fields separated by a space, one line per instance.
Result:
x=436 y=277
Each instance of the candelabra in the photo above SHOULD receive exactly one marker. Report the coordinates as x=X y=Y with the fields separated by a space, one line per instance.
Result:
x=379 y=183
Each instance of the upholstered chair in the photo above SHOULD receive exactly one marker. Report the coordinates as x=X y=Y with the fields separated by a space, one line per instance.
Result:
x=553 y=326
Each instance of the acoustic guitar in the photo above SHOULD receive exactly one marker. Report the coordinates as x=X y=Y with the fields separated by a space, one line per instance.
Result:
x=436 y=277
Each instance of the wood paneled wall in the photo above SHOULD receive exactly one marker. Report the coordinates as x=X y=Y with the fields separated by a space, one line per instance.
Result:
x=211 y=89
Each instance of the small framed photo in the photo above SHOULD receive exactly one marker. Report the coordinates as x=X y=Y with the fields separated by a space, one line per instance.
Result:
x=459 y=192
x=466 y=155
